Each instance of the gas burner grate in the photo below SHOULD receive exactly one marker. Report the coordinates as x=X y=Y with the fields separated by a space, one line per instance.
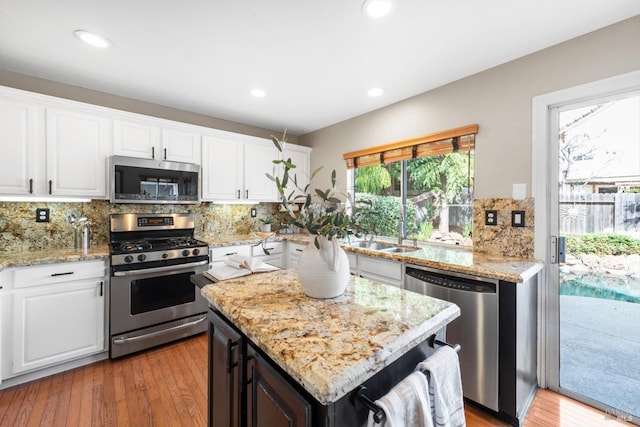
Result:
x=183 y=242
x=141 y=245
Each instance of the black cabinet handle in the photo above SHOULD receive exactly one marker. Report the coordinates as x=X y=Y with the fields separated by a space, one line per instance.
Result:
x=230 y=365
x=238 y=194
x=50 y=184
x=31 y=186
x=165 y=154
x=246 y=192
x=62 y=274
x=299 y=250
x=101 y=288
x=231 y=253
x=153 y=152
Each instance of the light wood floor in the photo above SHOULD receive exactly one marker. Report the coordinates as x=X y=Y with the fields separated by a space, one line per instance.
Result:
x=167 y=386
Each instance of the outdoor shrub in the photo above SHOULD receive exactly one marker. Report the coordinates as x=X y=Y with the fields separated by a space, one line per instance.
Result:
x=382 y=216
x=602 y=244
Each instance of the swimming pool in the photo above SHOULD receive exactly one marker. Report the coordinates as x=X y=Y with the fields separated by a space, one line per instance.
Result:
x=601 y=286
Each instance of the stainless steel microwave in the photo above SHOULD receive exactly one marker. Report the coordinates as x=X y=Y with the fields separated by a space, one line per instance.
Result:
x=135 y=180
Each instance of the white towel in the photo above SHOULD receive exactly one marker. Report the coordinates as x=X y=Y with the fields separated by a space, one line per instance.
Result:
x=406 y=404
x=442 y=369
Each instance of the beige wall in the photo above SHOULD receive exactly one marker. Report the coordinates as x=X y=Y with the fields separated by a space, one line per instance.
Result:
x=47 y=87
x=498 y=99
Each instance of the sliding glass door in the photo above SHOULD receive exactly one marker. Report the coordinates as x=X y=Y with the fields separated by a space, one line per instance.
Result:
x=596 y=211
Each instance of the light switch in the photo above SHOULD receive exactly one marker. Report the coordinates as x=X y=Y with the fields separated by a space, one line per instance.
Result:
x=517 y=218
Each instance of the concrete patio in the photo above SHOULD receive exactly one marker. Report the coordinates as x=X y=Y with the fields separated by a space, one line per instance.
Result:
x=600 y=351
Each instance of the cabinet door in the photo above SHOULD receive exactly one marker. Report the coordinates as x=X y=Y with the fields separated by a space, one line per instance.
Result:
x=271 y=400
x=381 y=270
x=18 y=134
x=53 y=324
x=77 y=149
x=225 y=346
x=180 y=145
x=222 y=170
x=300 y=156
x=258 y=161
x=136 y=139
x=294 y=250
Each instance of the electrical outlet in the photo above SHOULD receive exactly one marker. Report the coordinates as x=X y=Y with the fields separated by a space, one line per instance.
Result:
x=254 y=212
x=42 y=214
x=517 y=218
x=490 y=217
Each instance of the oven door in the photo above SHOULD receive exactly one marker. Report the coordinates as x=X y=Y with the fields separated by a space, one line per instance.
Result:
x=145 y=298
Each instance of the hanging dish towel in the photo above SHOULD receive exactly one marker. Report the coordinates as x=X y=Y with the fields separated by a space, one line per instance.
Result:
x=442 y=370
x=406 y=404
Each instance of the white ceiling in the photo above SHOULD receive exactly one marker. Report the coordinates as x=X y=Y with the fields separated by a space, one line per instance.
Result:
x=315 y=59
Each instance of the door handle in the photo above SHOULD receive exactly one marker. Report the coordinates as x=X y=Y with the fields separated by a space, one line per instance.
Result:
x=558 y=250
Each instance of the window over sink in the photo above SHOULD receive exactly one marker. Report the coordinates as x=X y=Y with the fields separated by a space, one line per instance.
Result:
x=417 y=189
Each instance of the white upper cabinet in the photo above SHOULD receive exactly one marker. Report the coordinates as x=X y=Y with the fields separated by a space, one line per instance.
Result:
x=135 y=139
x=234 y=168
x=19 y=139
x=155 y=139
x=77 y=148
x=222 y=168
x=301 y=157
x=259 y=155
x=51 y=150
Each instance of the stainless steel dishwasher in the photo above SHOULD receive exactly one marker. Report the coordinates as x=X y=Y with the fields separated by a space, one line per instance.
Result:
x=476 y=330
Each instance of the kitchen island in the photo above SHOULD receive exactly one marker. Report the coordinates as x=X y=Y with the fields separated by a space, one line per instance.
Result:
x=305 y=359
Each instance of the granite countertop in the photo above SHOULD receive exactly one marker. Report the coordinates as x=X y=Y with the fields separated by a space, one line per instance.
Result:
x=439 y=257
x=328 y=346
x=50 y=256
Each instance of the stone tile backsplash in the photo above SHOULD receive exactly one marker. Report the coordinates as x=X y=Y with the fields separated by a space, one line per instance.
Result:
x=20 y=231
x=503 y=239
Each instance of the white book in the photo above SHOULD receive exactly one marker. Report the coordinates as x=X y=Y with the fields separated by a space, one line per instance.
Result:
x=237 y=266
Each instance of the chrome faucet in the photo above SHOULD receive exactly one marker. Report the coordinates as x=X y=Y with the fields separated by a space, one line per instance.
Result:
x=401 y=235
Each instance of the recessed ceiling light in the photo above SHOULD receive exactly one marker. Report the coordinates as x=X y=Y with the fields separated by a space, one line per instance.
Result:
x=92 y=39
x=258 y=93
x=375 y=91
x=377 y=8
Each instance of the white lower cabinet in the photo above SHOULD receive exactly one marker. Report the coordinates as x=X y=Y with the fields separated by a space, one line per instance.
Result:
x=270 y=253
x=56 y=313
x=219 y=254
x=294 y=250
x=380 y=270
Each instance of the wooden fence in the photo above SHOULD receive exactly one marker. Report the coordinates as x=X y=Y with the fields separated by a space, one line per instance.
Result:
x=600 y=213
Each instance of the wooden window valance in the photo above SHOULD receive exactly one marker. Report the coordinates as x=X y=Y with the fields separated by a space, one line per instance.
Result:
x=448 y=141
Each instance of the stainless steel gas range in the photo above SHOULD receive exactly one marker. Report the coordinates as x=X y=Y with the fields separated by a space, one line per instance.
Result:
x=152 y=298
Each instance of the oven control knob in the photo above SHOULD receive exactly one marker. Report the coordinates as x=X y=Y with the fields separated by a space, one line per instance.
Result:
x=128 y=258
x=185 y=252
x=196 y=251
x=142 y=257
x=165 y=255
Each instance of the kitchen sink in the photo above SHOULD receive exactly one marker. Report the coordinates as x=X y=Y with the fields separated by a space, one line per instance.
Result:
x=401 y=249
x=382 y=246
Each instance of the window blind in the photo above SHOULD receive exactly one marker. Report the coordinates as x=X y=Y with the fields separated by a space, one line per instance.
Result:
x=449 y=141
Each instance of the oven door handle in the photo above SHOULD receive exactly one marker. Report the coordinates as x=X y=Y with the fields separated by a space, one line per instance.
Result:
x=164 y=331
x=157 y=269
